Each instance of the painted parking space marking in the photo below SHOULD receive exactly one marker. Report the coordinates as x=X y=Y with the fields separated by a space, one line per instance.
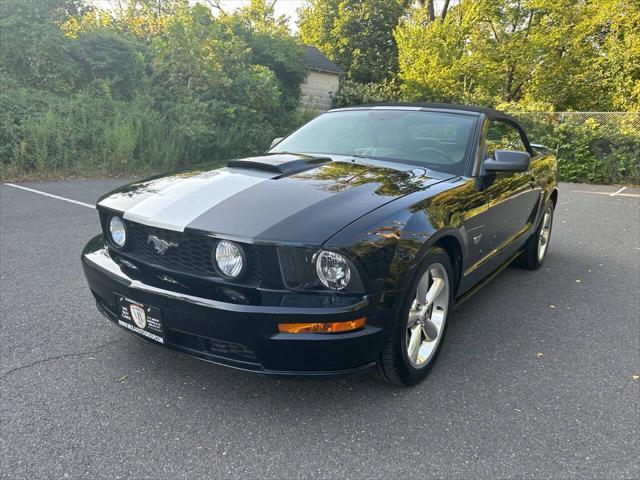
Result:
x=610 y=194
x=619 y=191
x=57 y=197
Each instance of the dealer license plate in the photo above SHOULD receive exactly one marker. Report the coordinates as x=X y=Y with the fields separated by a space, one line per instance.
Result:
x=139 y=318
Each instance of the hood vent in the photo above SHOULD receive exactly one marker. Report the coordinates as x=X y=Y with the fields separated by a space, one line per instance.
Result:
x=282 y=165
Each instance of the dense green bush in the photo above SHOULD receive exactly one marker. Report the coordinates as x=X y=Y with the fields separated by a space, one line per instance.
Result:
x=86 y=92
x=592 y=148
x=86 y=134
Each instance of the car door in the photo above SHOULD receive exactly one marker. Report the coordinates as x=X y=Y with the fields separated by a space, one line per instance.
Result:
x=512 y=196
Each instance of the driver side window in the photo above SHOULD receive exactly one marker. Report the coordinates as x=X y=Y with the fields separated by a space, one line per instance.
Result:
x=503 y=136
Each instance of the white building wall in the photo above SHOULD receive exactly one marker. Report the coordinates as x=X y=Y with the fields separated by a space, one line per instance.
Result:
x=317 y=89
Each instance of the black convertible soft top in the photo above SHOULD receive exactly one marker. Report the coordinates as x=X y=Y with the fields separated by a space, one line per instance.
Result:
x=488 y=112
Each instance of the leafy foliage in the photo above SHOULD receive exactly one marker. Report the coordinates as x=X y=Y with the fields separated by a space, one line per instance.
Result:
x=536 y=55
x=599 y=148
x=33 y=50
x=153 y=86
x=565 y=54
x=356 y=35
x=549 y=54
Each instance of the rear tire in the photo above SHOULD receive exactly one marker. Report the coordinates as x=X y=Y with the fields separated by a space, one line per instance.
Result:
x=416 y=335
x=538 y=245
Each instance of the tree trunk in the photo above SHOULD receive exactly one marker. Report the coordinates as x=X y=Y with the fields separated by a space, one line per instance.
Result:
x=431 y=12
x=445 y=9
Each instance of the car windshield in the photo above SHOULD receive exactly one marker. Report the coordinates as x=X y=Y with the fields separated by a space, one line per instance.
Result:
x=435 y=140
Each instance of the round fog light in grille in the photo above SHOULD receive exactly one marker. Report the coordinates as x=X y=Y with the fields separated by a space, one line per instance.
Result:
x=117 y=231
x=229 y=258
x=333 y=270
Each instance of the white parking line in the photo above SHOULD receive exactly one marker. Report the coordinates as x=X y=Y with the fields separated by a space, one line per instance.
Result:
x=609 y=194
x=619 y=191
x=82 y=204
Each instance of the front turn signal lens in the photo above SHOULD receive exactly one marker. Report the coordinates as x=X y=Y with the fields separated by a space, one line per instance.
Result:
x=316 y=327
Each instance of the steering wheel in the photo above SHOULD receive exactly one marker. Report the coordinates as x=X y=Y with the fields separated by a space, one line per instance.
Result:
x=443 y=155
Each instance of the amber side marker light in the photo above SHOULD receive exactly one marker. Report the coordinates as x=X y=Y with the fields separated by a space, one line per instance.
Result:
x=333 y=327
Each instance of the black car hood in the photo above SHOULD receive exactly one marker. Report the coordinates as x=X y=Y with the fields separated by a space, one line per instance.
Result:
x=281 y=198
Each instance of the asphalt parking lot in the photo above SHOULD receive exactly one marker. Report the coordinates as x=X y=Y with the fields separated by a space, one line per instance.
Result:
x=535 y=380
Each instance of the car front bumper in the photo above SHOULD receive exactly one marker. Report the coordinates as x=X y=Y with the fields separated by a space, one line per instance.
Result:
x=240 y=335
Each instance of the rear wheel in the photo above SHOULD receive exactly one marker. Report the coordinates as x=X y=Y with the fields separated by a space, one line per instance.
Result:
x=538 y=245
x=414 y=341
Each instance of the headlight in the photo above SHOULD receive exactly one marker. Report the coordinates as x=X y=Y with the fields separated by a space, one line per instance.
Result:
x=333 y=270
x=299 y=267
x=229 y=259
x=117 y=231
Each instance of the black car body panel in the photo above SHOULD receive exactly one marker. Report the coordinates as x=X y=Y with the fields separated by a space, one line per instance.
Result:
x=383 y=215
x=295 y=207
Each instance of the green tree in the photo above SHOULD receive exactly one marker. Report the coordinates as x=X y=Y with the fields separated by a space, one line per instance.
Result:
x=33 y=49
x=356 y=35
x=107 y=60
x=553 y=53
x=271 y=46
x=620 y=59
x=154 y=84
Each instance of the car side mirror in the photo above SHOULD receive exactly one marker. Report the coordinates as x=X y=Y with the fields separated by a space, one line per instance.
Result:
x=276 y=141
x=507 y=161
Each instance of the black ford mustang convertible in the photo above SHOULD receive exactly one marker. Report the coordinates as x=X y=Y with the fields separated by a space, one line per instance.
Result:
x=343 y=248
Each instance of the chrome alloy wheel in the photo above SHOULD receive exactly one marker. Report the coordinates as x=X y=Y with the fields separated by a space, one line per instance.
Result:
x=545 y=233
x=427 y=315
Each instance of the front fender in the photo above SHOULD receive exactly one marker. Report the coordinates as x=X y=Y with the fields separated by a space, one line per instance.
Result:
x=390 y=242
x=545 y=171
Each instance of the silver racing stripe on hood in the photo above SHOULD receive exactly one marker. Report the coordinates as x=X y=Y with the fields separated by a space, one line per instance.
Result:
x=176 y=201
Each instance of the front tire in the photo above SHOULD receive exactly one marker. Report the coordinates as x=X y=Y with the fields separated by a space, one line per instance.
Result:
x=415 y=338
x=538 y=245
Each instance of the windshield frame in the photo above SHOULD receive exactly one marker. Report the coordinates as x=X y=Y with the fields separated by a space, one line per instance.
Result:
x=469 y=149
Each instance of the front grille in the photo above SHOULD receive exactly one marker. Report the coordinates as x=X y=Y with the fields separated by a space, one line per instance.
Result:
x=190 y=253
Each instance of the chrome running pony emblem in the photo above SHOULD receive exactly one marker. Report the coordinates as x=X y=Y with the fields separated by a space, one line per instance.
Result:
x=161 y=246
